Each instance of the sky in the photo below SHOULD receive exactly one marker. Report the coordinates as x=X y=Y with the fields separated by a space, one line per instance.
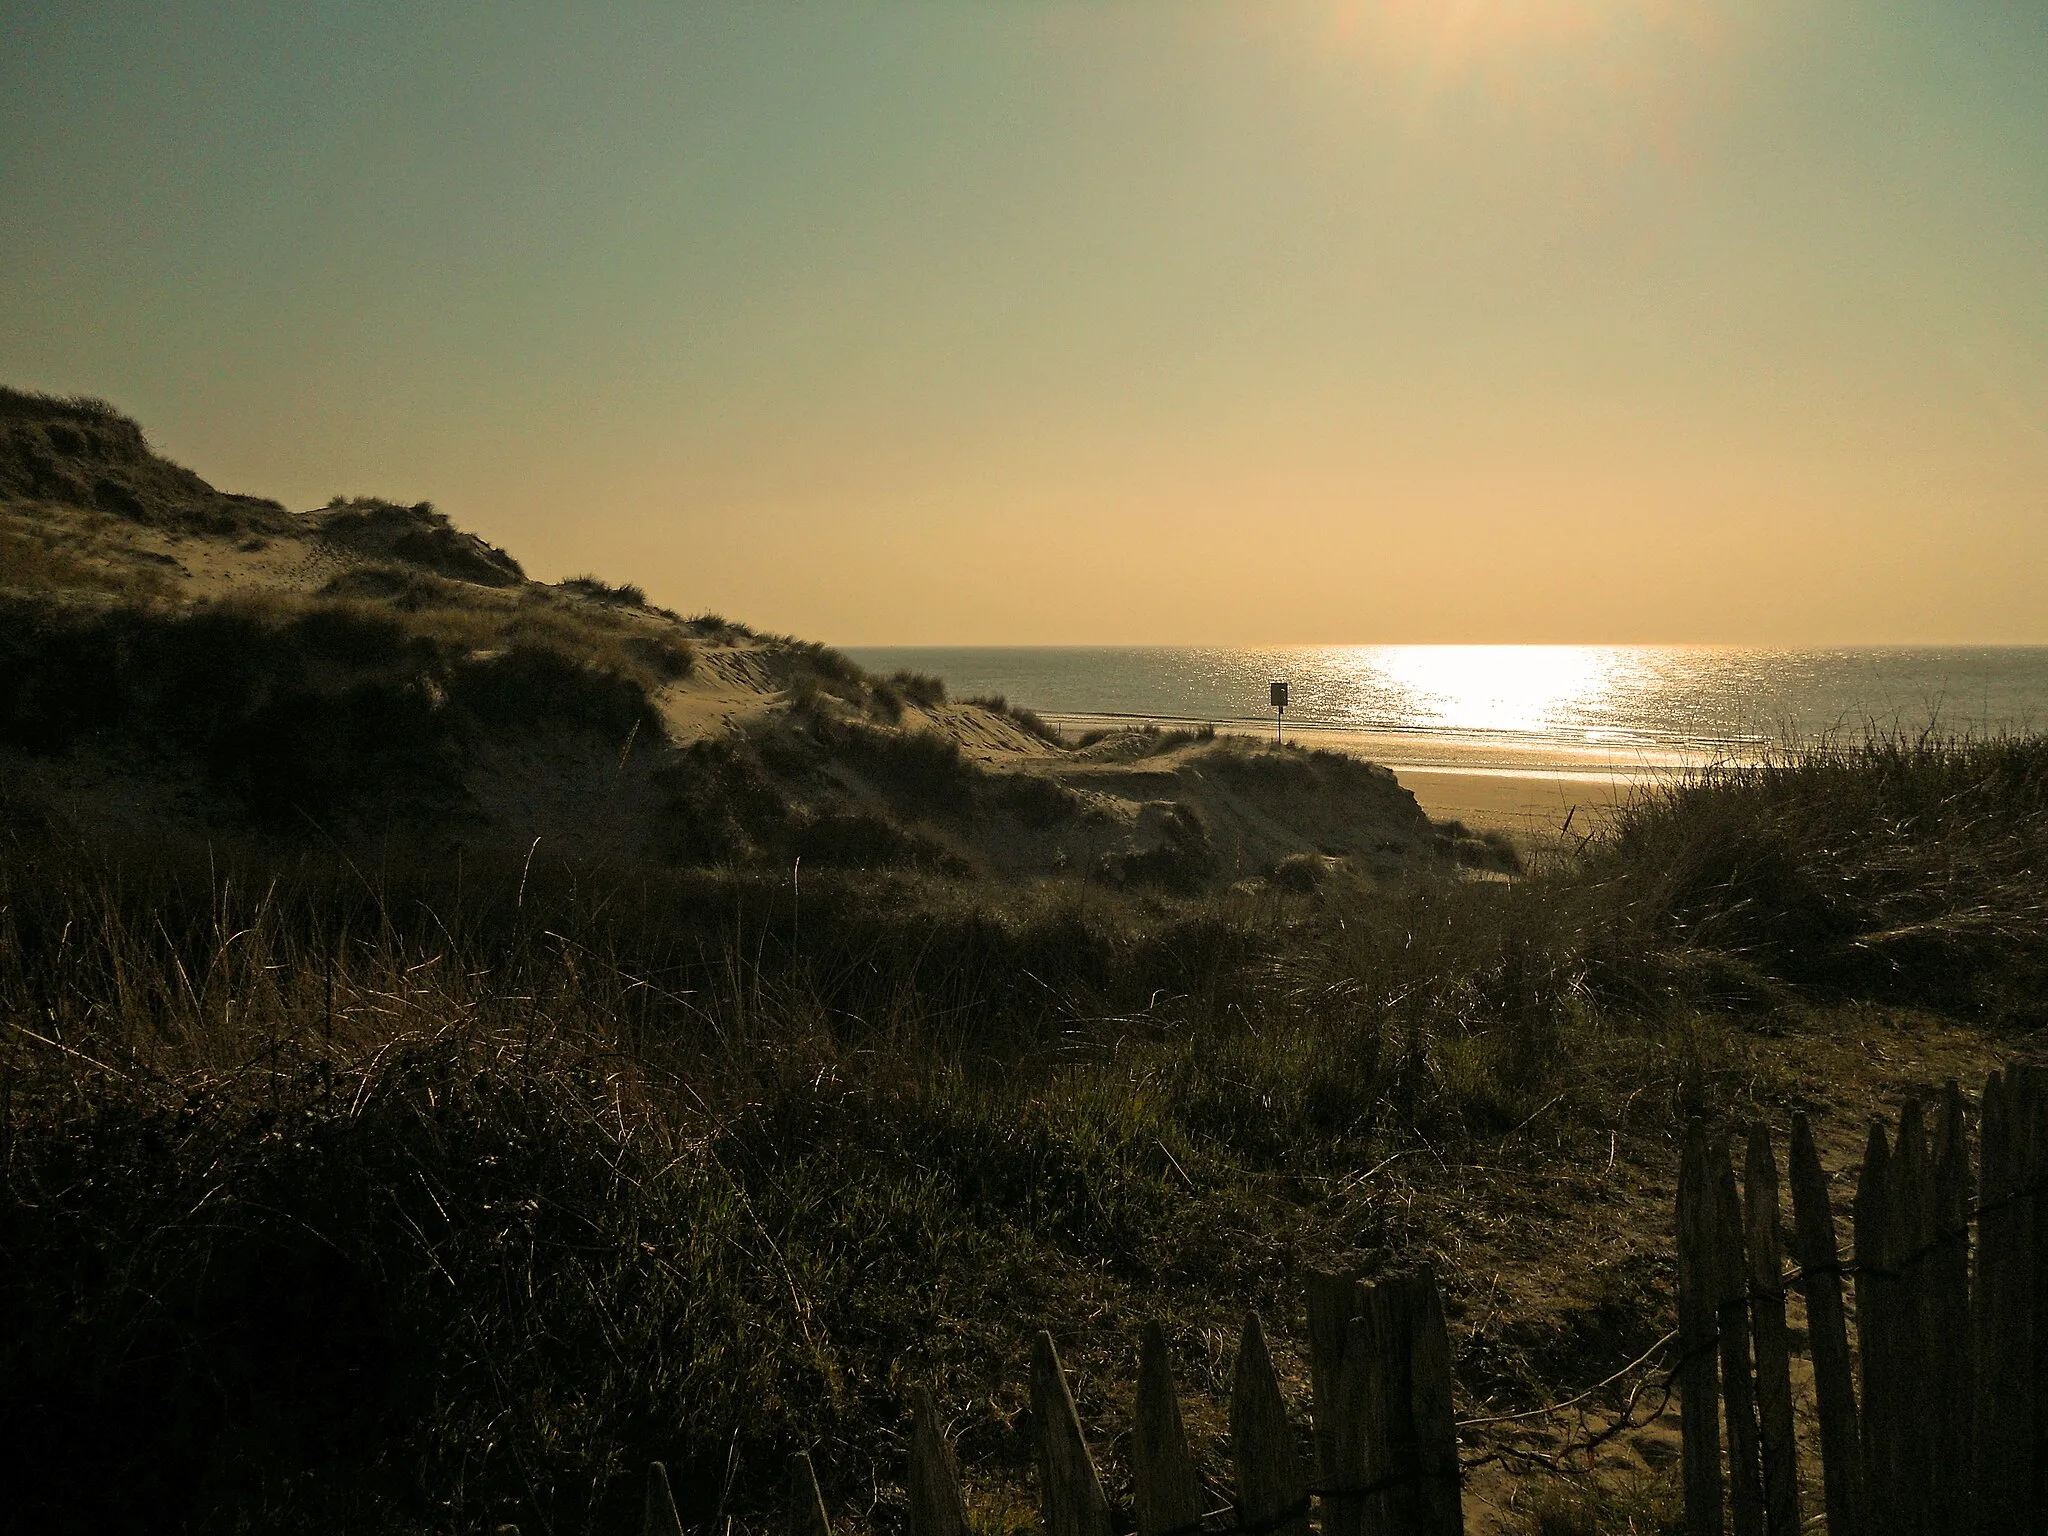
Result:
x=1314 y=321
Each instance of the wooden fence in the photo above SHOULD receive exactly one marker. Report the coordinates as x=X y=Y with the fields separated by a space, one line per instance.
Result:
x=1949 y=1430
x=1386 y=1449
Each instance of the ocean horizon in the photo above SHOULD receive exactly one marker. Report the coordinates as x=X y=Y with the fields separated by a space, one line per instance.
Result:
x=1682 y=699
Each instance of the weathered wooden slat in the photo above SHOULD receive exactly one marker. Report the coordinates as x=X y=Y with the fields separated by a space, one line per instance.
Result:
x=1272 y=1495
x=1763 y=1243
x=1919 y=1373
x=936 y=1505
x=1385 y=1422
x=2031 y=1172
x=2001 y=1339
x=1738 y=1384
x=661 y=1518
x=806 y=1503
x=1071 y=1500
x=1698 y=1374
x=1948 y=1318
x=1819 y=1259
x=1439 y=1497
x=1163 y=1471
x=1333 y=1301
x=1362 y=1454
x=1876 y=1288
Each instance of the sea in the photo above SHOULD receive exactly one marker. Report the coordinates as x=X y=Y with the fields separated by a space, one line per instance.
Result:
x=1681 y=702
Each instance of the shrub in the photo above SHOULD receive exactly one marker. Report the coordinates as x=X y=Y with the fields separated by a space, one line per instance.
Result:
x=1300 y=872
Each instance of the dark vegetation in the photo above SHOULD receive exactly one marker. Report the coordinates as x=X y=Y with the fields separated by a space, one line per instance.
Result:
x=627 y=595
x=406 y=1197
x=1145 y=740
x=347 y=1184
x=298 y=712
x=793 y=794
x=419 y=536
x=84 y=453
x=1029 y=719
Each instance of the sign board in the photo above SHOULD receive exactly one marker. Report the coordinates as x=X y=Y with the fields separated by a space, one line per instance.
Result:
x=1279 y=695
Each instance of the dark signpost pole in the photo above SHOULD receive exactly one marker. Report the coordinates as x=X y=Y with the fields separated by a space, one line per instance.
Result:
x=1279 y=709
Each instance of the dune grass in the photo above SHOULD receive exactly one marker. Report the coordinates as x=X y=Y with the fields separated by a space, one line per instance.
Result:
x=372 y=1197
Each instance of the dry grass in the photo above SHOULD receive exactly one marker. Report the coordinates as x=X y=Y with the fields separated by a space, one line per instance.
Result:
x=37 y=559
x=387 y=1198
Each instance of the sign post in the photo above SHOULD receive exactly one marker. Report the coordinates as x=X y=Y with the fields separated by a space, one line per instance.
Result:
x=1279 y=709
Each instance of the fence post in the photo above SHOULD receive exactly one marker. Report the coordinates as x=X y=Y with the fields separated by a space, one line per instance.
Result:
x=1699 y=1382
x=1948 y=1294
x=1820 y=1265
x=661 y=1518
x=2033 y=1205
x=1272 y=1496
x=1738 y=1386
x=1920 y=1374
x=1363 y=1459
x=1168 y=1496
x=1999 y=1334
x=806 y=1504
x=1764 y=1244
x=1876 y=1290
x=1071 y=1499
x=1440 y=1496
x=1333 y=1301
x=936 y=1507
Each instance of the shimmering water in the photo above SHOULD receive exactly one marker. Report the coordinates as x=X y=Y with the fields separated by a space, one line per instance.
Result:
x=1622 y=696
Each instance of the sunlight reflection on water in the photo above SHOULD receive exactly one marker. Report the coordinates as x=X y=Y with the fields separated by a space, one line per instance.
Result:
x=1522 y=688
x=1618 y=695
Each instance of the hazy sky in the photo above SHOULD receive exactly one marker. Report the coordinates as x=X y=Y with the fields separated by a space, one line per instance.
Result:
x=1340 y=320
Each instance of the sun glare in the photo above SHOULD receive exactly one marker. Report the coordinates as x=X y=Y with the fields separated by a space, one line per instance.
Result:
x=1498 y=687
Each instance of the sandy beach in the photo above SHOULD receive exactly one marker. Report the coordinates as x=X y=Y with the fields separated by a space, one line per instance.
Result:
x=1531 y=789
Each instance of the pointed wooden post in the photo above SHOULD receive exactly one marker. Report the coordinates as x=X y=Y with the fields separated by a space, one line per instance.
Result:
x=2032 y=1180
x=2000 y=1335
x=1876 y=1329
x=806 y=1503
x=936 y=1507
x=1363 y=1458
x=1948 y=1296
x=1699 y=1376
x=661 y=1518
x=1071 y=1499
x=1834 y=1381
x=1397 y=1391
x=1272 y=1495
x=1738 y=1384
x=1921 y=1373
x=1162 y=1470
x=1439 y=1498
x=1773 y=1345
x=1333 y=1301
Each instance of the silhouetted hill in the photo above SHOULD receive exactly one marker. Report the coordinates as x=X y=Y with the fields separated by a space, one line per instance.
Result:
x=174 y=655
